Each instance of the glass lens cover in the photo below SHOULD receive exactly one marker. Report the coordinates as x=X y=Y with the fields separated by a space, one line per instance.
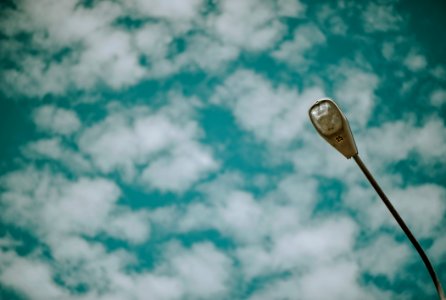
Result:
x=326 y=118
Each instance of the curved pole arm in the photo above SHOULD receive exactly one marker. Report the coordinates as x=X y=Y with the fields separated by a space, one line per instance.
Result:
x=403 y=226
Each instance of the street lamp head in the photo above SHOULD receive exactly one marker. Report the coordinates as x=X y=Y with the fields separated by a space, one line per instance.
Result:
x=333 y=126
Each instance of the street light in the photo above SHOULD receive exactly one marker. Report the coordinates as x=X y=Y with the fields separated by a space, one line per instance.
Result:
x=333 y=126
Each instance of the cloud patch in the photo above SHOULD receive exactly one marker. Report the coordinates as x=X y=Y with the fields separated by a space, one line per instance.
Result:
x=275 y=114
x=56 y=120
x=158 y=149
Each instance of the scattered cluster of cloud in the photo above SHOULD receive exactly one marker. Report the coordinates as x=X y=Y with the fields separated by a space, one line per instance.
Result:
x=163 y=145
x=82 y=47
x=275 y=114
x=382 y=17
x=127 y=197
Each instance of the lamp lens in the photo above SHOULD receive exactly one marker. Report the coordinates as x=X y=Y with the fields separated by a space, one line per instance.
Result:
x=326 y=118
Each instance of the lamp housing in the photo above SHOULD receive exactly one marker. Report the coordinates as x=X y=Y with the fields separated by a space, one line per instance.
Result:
x=333 y=126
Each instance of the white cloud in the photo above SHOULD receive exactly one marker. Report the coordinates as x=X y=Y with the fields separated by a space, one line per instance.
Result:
x=153 y=42
x=180 y=169
x=157 y=287
x=250 y=25
x=421 y=206
x=220 y=36
x=242 y=214
x=305 y=40
x=330 y=18
x=372 y=213
x=7 y=242
x=95 y=53
x=198 y=272
x=92 y=51
x=438 y=249
x=53 y=207
x=47 y=147
x=35 y=79
x=236 y=212
x=355 y=92
x=384 y=256
x=32 y=278
x=326 y=281
x=203 y=51
x=109 y=57
x=438 y=97
x=317 y=243
x=63 y=214
x=439 y=72
x=132 y=226
x=424 y=200
x=64 y=23
x=172 y=10
x=81 y=206
x=388 y=50
x=381 y=17
x=290 y=8
x=207 y=53
x=56 y=120
x=415 y=61
x=274 y=234
x=203 y=270
x=55 y=149
x=303 y=247
x=275 y=114
x=164 y=144
x=318 y=283
x=399 y=139
x=80 y=262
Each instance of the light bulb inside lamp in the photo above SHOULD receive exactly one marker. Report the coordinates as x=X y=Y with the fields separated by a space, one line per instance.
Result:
x=326 y=118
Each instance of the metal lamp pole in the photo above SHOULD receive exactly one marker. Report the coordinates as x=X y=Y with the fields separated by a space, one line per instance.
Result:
x=333 y=126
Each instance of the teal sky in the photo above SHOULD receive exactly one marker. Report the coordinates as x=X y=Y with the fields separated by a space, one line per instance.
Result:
x=162 y=150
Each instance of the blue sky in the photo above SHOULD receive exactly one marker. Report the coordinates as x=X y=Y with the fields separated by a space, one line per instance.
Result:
x=162 y=149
